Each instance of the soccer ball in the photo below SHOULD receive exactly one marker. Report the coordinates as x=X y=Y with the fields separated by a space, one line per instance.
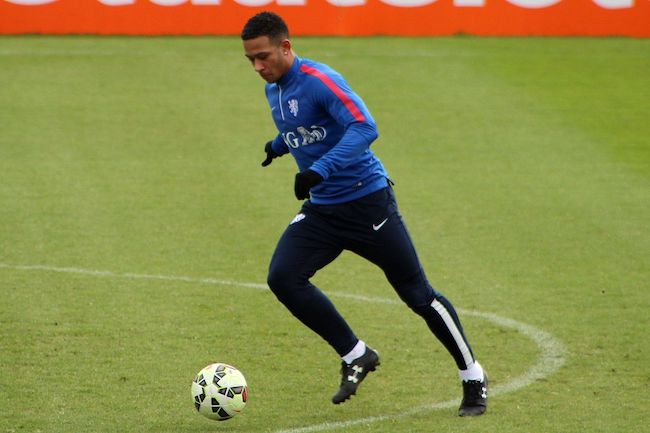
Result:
x=219 y=391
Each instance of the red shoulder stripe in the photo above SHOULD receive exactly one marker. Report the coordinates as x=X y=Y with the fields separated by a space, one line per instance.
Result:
x=350 y=105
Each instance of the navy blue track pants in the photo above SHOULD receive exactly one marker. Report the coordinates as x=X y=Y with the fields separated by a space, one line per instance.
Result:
x=371 y=227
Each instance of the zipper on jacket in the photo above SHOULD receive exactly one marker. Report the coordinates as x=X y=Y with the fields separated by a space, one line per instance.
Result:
x=280 y=102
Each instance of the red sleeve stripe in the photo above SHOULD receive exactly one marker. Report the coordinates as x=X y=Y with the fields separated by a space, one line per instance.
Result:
x=350 y=105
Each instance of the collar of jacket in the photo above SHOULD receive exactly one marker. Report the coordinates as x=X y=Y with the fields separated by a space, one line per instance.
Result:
x=291 y=73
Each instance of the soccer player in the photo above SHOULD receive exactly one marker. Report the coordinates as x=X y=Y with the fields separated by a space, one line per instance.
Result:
x=350 y=205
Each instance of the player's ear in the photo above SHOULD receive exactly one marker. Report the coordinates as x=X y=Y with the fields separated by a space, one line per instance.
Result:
x=286 y=46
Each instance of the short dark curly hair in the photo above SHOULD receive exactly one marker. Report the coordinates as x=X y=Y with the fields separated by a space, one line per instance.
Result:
x=266 y=24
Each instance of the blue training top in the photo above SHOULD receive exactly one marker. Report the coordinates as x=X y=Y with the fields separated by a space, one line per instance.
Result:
x=328 y=129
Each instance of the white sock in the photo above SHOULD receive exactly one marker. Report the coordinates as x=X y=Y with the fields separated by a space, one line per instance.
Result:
x=358 y=350
x=474 y=372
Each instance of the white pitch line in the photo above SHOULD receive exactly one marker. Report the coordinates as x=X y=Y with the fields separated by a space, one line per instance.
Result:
x=132 y=276
x=550 y=360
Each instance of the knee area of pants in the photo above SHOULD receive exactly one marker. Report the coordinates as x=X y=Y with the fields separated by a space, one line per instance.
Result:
x=280 y=280
x=275 y=280
x=421 y=309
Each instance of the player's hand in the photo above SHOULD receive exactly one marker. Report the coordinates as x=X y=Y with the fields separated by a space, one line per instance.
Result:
x=306 y=180
x=270 y=154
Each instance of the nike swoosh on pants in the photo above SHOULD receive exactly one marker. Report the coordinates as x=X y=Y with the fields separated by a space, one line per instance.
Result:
x=376 y=227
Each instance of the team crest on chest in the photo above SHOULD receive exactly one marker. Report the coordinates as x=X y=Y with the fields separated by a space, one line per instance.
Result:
x=293 y=107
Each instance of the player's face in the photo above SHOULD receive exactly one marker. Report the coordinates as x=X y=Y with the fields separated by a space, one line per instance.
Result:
x=269 y=59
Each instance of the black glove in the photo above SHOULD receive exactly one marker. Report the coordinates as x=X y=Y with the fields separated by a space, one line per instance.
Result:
x=306 y=180
x=270 y=154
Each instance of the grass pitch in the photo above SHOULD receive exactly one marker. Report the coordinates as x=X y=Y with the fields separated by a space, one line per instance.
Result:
x=131 y=183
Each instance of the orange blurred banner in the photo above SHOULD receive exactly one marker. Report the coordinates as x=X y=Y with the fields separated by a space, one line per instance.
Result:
x=330 y=17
